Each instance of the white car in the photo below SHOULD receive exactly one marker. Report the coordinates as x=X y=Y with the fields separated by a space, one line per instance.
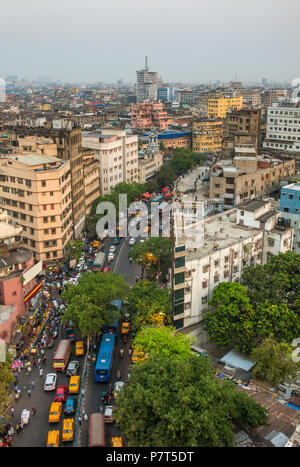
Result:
x=50 y=382
x=112 y=249
x=110 y=256
x=118 y=385
x=132 y=241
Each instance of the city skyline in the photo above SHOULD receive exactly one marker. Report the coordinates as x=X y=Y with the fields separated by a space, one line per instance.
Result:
x=194 y=44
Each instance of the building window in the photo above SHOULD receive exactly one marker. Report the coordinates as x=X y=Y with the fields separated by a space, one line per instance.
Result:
x=204 y=299
x=180 y=262
x=179 y=278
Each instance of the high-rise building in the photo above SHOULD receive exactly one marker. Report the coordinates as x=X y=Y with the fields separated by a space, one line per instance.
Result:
x=67 y=137
x=283 y=129
x=147 y=84
x=117 y=154
x=36 y=192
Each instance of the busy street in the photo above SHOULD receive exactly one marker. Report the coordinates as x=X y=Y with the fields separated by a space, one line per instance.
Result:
x=29 y=412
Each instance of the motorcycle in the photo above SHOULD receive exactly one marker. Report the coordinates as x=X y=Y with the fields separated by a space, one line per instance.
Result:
x=121 y=353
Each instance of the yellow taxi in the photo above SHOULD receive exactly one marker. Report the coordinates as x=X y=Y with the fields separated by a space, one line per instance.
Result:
x=68 y=429
x=116 y=442
x=95 y=244
x=53 y=439
x=55 y=412
x=74 y=384
x=79 y=348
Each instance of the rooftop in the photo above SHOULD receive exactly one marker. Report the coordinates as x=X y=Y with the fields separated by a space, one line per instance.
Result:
x=31 y=158
x=252 y=205
x=220 y=232
x=19 y=256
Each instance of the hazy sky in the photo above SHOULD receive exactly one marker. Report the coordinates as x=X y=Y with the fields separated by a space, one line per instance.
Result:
x=190 y=40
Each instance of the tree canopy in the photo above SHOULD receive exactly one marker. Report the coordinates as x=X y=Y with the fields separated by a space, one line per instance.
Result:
x=274 y=362
x=171 y=402
x=89 y=302
x=156 y=341
x=147 y=300
x=233 y=320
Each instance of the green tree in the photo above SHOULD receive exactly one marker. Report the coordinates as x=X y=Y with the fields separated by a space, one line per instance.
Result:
x=6 y=377
x=163 y=341
x=155 y=254
x=276 y=320
x=146 y=300
x=172 y=402
x=89 y=301
x=230 y=321
x=165 y=176
x=274 y=362
x=74 y=249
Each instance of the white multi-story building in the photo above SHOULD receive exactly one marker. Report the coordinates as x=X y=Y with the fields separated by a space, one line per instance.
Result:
x=117 y=153
x=219 y=251
x=147 y=84
x=283 y=127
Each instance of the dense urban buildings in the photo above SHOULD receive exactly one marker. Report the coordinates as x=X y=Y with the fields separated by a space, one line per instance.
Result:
x=148 y=83
x=208 y=135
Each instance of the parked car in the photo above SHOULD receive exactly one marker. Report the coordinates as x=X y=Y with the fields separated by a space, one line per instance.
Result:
x=50 y=382
x=72 y=368
x=71 y=404
x=112 y=249
x=116 y=442
x=61 y=393
x=132 y=241
x=118 y=385
x=108 y=414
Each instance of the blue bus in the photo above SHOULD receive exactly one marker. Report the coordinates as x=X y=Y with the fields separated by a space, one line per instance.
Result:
x=105 y=358
x=113 y=328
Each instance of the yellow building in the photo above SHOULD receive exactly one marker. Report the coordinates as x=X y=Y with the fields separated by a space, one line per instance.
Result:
x=218 y=107
x=208 y=135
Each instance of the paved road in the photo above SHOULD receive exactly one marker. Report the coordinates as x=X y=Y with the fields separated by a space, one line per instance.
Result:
x=35 y=434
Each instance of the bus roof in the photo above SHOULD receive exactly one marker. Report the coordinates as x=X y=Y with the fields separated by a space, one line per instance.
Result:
x=105 y=352
x=99 y=258
x=96 y=430
x=61 y=349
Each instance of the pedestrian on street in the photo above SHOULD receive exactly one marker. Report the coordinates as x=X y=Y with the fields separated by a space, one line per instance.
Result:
x=12 y=410
x=17 y=396
x=34 y=410
x=130 y=351
x=32 y=385
x=17 y=428
x=110 y=388
x=85 y=417
x=21 y=426
x=29 y=392
x=136 y=279
x=79 y=420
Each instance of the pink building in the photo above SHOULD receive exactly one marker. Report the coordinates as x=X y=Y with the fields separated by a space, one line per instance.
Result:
x=146 y=115
x=17 y=278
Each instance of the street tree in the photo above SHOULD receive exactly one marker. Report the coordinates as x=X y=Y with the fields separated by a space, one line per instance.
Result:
x=147 y=302
x=74 y=249
x=274 y=362
x=6 y=377
x=173 y=402
x=155 y=254
x=89 y=301
x=277 y=321
x=162 y=341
